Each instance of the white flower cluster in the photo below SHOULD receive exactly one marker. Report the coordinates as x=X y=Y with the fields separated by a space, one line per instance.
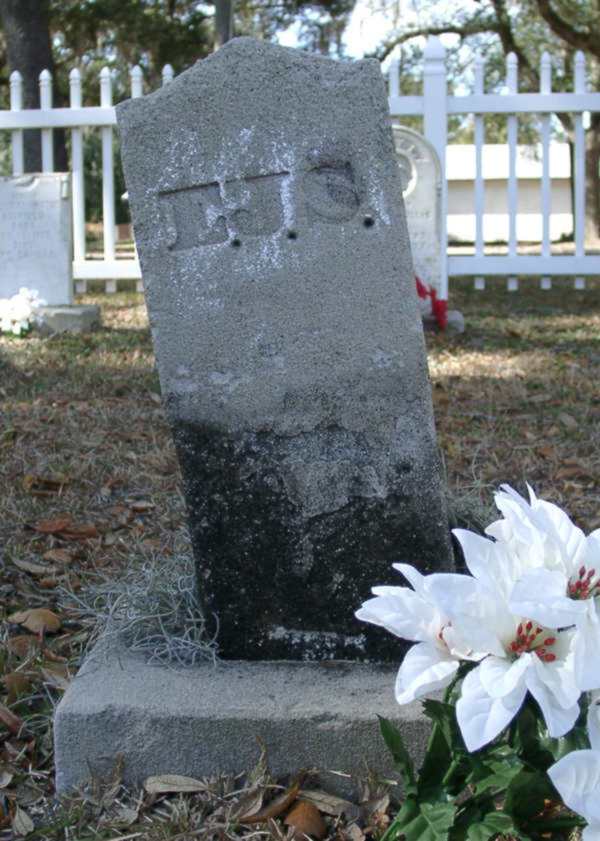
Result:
x=528 y=618
x=17 y=314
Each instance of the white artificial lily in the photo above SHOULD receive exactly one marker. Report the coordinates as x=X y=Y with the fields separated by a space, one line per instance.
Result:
x=522 y=655
x=576 y=777
x=19 y=312
x=414 y=615
x=559 y=581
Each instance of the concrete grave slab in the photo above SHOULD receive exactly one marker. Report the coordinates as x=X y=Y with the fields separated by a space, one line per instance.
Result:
x=35 y=236
x=268 y=217
x=200 y=721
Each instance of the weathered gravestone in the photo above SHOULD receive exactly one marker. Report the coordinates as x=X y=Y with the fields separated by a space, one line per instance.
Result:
x=265 y=197
x=268 y=216
x=420 y=174
x=35 y=236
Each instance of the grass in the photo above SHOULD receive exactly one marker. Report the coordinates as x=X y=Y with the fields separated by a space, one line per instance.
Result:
x=83 y=434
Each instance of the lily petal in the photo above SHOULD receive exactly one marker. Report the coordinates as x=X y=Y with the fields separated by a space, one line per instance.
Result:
x=423 y=670
x=587 y=646
x=499 y=676
x=576 y=777
x=402 y=612
x=541 y=595
x=593 y=721
x=480 y=717
x=553 y=688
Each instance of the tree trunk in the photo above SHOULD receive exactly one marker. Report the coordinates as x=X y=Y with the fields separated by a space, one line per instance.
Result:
x=26 y=28
x=592 y=181
x=223 y=22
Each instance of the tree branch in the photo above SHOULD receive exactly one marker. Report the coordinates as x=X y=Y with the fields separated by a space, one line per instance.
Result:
x=578 y=39
x=473 y=27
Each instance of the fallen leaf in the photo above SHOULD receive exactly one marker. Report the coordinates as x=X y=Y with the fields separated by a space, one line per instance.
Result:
x=568 y=421
x=49 y=583
x=17 y=683
x=22 y=645
x=22 y=823
x=327 y=803
x=10 y=720
x=82 y=532
x=277 y=806
x=140 y=506
x=57 y=676
x=248 y=805
x=166 y=783
x=44 y=485
x=32 y=567
x=546 y=451
x=354 y=832
x=54 y=526
x=58 y=556
x=38 y=620
x=306 y=819
x=572 y=471
x=6 y=777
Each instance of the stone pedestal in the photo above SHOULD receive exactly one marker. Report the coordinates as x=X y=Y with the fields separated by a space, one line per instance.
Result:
x=206 y=719
x=69 y=319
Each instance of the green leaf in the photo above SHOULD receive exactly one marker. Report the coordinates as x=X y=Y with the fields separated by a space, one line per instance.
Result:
x=422 y=821
x=492 y=824
x=436 y=763
x=526 y=794
x=495 y=770
x=529 y=741
x=393 y=739
x=444 y=715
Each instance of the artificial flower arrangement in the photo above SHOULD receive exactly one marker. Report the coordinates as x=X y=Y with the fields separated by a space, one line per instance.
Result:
x=516 y=646
x=19 y=313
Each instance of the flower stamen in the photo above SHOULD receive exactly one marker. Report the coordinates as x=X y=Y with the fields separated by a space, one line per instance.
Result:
x=532 y=640
x=586 y=585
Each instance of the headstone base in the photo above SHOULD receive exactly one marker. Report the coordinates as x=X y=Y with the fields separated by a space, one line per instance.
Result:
x=69 y=319
x=205 y=719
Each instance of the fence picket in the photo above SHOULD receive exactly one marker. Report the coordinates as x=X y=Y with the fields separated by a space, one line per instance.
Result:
x=16 y=104
x=579 y=209
x=77 y=177
x=137 y=81
x=546 y=187
x=167 y=74
x=47 y=133
x=108 y=180
x=479 y=183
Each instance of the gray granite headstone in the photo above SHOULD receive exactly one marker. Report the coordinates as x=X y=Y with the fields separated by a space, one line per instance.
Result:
x=35 y=236
x=267 y=210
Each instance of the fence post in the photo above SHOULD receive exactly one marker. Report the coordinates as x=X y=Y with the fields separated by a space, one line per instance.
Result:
x=108 y=179
x=435 y=126
x=16 y=104
x=46 y=105
x=78 y=178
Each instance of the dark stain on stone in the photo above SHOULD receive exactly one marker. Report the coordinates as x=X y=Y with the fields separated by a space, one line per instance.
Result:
x=283 y=585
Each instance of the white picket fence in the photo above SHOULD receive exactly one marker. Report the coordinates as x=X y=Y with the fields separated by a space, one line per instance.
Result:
x=434 y=106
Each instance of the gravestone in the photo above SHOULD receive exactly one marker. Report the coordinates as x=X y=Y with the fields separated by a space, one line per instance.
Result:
x=267 y=209
x=35 y=236
x=421 y=178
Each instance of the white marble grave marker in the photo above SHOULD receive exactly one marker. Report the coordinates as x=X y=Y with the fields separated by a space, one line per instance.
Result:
x=421 y=188
x=35 y=236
